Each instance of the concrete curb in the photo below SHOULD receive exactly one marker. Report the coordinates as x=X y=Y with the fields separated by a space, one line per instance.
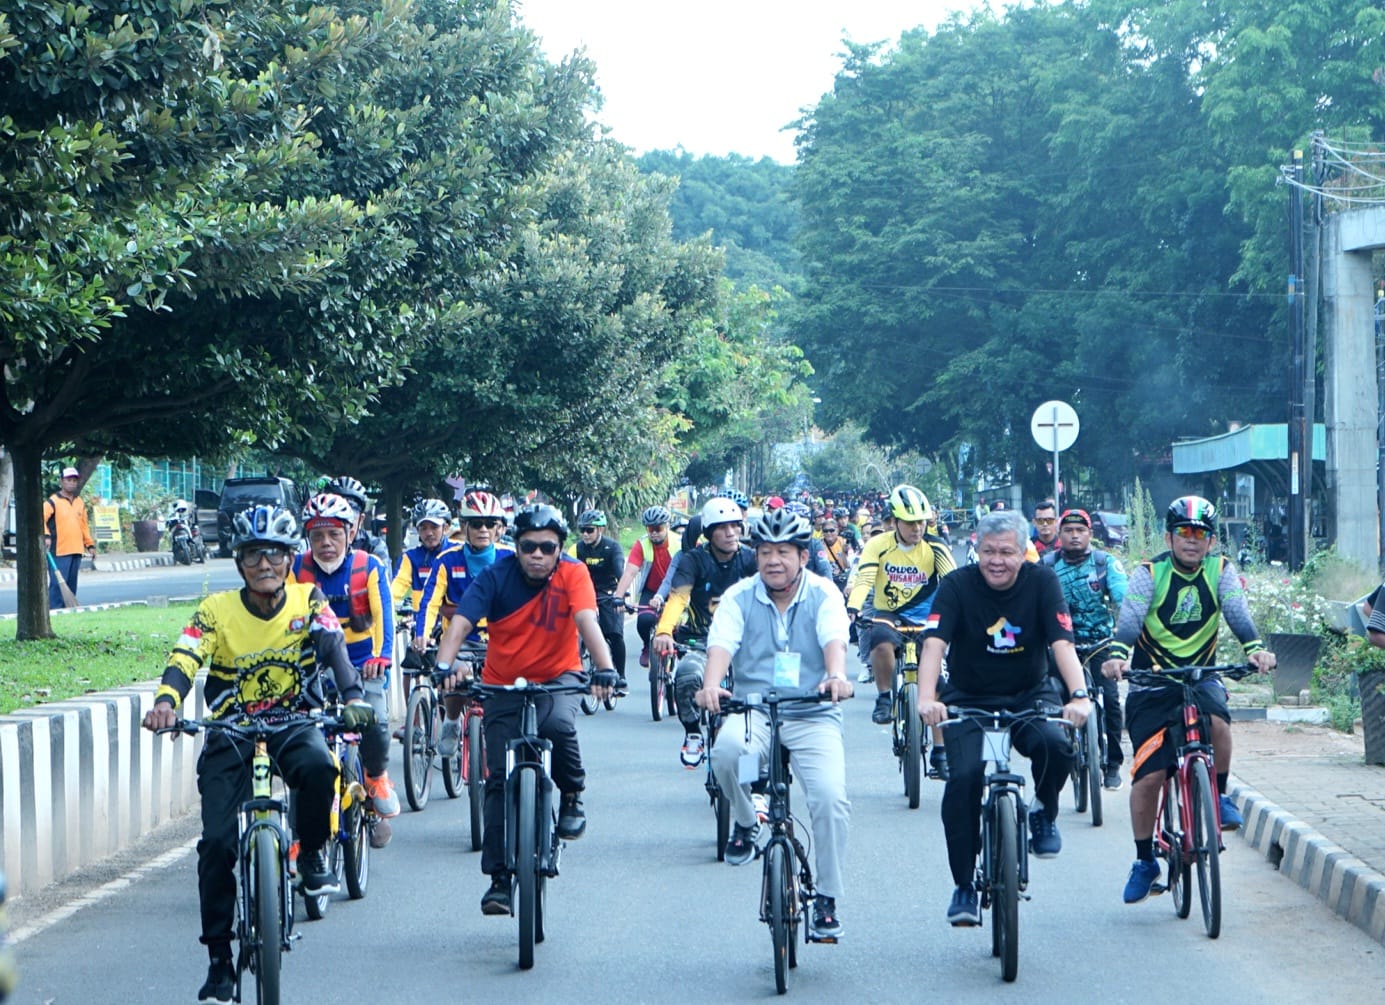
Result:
x=1348 y=886
x=10 y=575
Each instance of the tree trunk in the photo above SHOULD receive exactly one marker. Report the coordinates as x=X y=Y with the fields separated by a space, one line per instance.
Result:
x=394 y=515
x=33 y=621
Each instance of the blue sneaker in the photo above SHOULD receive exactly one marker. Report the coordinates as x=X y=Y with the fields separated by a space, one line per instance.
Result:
x=1044 y=839
x=1142 y=878
x=965 y=909
x=1231 y=818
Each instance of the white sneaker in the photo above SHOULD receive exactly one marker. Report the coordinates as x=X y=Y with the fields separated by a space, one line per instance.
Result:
x=761 y=802
x=451 y=737
x=692 y=753
x=865 y=676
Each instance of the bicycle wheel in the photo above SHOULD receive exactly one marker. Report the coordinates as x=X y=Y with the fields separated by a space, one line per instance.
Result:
x=589 y=702
x=1091 y=739
x=418 y=748
x=656 y=683
x=670 y=696
x=1171 y=823
x=721 y=806
x=913 y=739
x=356 y=845
x=526 y=865
x=778 y=908
x=1005 y=885
x=1081 y=784
x=1206 y=847
x=267 y=940
x=475 y=776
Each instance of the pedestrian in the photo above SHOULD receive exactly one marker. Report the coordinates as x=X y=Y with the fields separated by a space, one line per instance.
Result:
x=66 y=535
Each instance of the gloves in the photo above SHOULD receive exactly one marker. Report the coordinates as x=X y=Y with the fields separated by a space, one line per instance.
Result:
x=358 y=715
x=604 y=678
x=376 y=666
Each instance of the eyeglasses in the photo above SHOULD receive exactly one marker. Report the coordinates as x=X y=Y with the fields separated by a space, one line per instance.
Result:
x=251 y=557
x=1193 y=533
x=528 y=546
x=483 y=524
x=1045 y=521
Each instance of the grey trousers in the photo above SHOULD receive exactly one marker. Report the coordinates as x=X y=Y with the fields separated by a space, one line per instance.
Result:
x=818 y=760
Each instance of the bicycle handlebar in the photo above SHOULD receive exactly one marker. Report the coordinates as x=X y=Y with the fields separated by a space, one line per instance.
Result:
x=771 y=698
x=1004 y=716
x=250 y=729
x=1178 y=676
x=523 y=686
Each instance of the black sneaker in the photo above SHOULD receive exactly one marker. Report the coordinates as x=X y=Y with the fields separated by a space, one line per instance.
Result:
x=497 y=899
x=622 y=686
x=741 y=848
x=937 y=762
x=965 y=909
x=1111 y=777
x=884 y=709
x=572 y=821
x=826 y=924
x=315 y=877
x=220 y=986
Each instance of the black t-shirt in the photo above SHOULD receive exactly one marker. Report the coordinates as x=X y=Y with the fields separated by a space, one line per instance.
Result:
x=709 y=579
x=604 y=561
x=999 y=638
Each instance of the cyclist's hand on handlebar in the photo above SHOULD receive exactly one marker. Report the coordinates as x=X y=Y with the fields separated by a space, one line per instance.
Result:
x=603 y=683
x=374 y=667
x=357 y=715
x=1263 y=661
x=419 y=644
x=932 y=712
x=656 y=603
x=1077 y=710
x=460 y=676
x=161 y=716
x=840 y=688
x=1115 y=669
x=710 y=698
x=663 y=644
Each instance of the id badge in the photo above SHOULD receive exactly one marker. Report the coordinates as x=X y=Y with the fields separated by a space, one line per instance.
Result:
x=786 y=668
x=748 y=768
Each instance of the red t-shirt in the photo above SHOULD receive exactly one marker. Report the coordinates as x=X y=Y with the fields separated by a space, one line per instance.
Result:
x=659 y=567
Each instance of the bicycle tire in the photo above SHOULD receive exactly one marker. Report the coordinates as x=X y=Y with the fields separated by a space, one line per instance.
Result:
x=526 y=864
x=912 y=753
x=1207 y=847
x=356 y=846
x=418 y=748
x=721 y=806
x=777 y=909
x=1005 y=885
x=670 y=695
x=1180 y=878
x=1081 y=785
x=475 y=777
x=1092 y=733
x=656 y=682
x=268 y=939
x=589 y=702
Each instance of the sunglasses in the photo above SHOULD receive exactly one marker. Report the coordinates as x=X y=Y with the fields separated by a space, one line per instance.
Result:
x=528 y=547
x=588 y=530
x=1193 y=533
x=483 y=524
x=251 y=557
x=1045 y=521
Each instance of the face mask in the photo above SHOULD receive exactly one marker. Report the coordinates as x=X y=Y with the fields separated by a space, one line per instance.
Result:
x=329 y=569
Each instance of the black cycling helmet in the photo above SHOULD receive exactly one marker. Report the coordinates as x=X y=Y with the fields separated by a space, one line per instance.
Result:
x=1191 y=511
x=780 y=526
x=539 y=516
x=592 y=518
x=351 y=490
x=264 y=524
x=655 y=515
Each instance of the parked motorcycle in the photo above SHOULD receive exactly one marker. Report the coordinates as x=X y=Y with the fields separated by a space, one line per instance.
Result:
x=184 y=535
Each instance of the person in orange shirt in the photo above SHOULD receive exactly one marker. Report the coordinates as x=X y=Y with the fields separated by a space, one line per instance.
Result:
x=66 y=535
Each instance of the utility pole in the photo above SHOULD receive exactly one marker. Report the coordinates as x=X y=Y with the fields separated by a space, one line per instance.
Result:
x=1380 y=405
x=1297 y=374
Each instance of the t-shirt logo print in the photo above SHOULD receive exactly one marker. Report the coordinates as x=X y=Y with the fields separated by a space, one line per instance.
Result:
x=1003 y=634
x=1188 y=608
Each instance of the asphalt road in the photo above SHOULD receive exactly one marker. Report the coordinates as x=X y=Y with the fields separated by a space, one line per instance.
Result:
x=643 y=912
x=139 y=584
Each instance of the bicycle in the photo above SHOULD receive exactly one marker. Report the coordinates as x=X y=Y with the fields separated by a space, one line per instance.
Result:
x=907 y=733
x=1188 y=834
x=785 y=895
x=1002 y=875
x=661 y=674
x=532 y=846
x=1089 y=747
x=422 y=731
x=264 y=926
x=590 y=702
x=348 y=844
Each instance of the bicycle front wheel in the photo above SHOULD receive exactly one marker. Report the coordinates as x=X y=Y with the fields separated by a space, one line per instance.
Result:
x=475 y=776
x=356 y=846
x=721 y=805
x=778 y=908
x=267 y=940
x=1005 y=885
x=913 y=739
x=1206 y=847
x=1091 y=738
x=418 y=748
x=527 y=866
x=656 y=683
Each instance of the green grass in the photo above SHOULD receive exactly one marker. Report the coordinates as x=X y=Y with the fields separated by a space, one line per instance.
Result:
x=94 y=651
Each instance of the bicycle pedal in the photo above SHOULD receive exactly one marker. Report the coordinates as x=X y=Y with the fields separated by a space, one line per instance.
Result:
x=825 y=940
x=1157 y=888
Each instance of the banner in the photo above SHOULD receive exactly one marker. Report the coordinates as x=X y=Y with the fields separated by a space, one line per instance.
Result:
x=105 y=525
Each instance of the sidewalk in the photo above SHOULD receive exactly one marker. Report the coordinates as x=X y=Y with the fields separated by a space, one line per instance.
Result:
x=1316 y=811
x=111 y=561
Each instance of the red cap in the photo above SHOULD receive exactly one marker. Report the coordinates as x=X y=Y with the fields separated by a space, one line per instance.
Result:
x=1075 y=516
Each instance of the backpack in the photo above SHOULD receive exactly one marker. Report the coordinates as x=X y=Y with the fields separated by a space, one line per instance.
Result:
x=358 y=590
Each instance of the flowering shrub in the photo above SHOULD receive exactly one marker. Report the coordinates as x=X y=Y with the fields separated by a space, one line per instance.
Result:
x=1281 y=604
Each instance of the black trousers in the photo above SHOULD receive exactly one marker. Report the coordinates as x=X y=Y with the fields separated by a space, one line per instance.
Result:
x=302 y=759
x=557 y=720
x=612 y=621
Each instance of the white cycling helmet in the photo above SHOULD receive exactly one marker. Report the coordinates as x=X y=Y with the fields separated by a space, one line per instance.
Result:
x=719 y=511
x=327 y=509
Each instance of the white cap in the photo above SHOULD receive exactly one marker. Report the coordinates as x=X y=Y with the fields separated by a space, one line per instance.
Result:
x=71 y=473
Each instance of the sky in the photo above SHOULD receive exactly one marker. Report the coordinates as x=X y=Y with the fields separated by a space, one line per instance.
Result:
x=718 y=76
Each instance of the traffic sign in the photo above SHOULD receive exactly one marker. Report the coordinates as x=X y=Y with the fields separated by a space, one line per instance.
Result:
x=1054 y=425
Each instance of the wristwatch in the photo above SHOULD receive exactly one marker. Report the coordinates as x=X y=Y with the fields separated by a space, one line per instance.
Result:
x=1081 y=692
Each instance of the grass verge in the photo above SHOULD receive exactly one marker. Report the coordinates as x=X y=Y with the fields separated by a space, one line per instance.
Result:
x=94 y=651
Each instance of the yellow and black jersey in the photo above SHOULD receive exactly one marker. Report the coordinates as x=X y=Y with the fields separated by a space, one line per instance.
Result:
x=897 y=579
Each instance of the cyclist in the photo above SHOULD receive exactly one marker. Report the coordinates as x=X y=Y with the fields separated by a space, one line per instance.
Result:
x=601 y=555
x=262 y=646
x=838 y=550
x=786 y=629
x=431 y=518
x=1045 y=537
x=536 y=603
x=1091 y=580
x=356 y=584
x=483 y=518
x=646 y=567
x=704 y=573
x=1169 y=619
x=996 y=621
x=896 y=578
x=361 y=539
x=818 y=560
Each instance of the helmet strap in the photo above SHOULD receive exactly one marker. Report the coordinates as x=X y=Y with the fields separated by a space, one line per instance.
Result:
x=788 y=590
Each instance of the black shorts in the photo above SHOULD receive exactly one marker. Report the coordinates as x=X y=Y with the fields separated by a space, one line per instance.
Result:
x=1152 y=716
x=883 y=632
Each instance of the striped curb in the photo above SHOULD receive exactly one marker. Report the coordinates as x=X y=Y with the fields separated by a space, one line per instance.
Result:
x=10 y=574
x=1349 y=887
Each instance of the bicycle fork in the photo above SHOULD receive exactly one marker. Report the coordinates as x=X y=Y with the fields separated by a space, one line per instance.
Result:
x=519 y=757
x=262 y=812
x=1004 y=783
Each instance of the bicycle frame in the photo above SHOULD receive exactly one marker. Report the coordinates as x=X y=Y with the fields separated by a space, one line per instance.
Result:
x=262 y=812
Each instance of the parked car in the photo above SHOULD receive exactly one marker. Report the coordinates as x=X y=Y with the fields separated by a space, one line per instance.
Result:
x=1110 y=529
x=238 y=494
